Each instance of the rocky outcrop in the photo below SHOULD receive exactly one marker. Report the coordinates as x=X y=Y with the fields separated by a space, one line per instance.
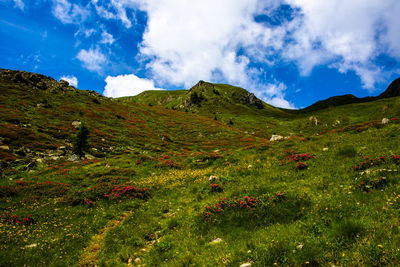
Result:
x=249 y=99
x=392 y=91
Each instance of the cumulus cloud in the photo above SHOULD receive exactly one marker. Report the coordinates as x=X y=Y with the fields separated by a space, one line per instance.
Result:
x=349 y=35
x=72 y=80
x=69 y=13
x=19 y=4
x=106 y=38
x=92 y=59
x=274 y=94
x=127 y=85
x=185 y=41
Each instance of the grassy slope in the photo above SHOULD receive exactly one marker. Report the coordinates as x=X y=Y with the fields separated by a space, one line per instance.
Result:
x=322 y=215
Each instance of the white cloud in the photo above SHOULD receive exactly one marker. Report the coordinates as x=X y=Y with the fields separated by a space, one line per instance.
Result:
x=19 y=4
x=274 y=94
x=106 y=38
x=127 y=85
x=92 y=59
x=185 y=41
x=69 y=13
x=72 y=80
x=347 y=34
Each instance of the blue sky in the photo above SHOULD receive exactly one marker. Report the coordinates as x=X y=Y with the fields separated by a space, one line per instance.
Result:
x=290 y=53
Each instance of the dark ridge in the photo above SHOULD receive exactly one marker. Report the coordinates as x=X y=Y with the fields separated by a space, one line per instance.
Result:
x=392 y=91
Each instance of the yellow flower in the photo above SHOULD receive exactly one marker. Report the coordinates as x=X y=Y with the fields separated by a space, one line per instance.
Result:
x=307 y=262
x=380 y=246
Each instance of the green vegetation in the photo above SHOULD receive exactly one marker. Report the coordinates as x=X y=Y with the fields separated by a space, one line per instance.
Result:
x=175 y=188
x=81 y=141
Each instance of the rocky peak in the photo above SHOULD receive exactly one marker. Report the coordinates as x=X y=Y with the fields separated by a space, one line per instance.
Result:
x=249 y=99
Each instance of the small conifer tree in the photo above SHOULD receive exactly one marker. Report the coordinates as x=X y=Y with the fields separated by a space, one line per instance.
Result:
x=80 y=143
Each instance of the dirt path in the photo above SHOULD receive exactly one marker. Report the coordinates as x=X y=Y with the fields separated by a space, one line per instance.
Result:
x=89 y=256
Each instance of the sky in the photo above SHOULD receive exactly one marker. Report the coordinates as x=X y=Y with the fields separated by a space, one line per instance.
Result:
x=289 y=53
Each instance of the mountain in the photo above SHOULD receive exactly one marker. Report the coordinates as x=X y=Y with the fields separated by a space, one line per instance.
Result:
x=193 y=178
x=392 y=91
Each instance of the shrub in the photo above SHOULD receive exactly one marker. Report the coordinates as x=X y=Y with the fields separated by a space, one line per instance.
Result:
x=216 y=188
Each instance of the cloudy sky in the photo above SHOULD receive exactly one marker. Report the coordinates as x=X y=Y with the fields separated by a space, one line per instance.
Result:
x=290 y=53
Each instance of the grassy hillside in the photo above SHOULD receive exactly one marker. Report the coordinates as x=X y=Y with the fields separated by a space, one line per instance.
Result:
x=327 y=194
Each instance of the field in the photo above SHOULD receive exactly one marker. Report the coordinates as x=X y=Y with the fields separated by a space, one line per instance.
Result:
x=175 y=188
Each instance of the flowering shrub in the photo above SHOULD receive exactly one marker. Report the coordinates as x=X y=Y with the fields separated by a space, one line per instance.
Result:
x=216 y=188
x=225 y=205
x=396 y=158
x=127 y=191
x=15 y=219
x=168 y=164
x=88 y=202
x=367 y=185
x=292 y=155
x=300 y=166
x=369 y=161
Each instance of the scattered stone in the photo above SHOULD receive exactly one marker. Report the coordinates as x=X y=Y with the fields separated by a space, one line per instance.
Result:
x=1 y=140
x=74 y=158
x=314 y=120
x=4 y=147
x=212 y=178
x=31 y=245
x=300 y=246
x=39 y=160
x=247 y=264
x=55 y=158
x=62 y=147
x=89 y=157
x=217 y=240
x=39 y=105
x=166 y=138
x=385 y=121
x=137 y=260
x=76 y=124
x=325 y=149
x=94 y=149
x=276 y=137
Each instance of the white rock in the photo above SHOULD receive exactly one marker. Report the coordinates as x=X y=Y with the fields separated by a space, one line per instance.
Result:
x=247 y=264
x=300 y=246
x=31 y=245
x=76 y=124
x=385 y=121
x=212 y=178
x=217 y=240
x=74 y=157
x=325 y=149
x=89 y=157
x=137 y=260
x=276 y=137
x=5 y=147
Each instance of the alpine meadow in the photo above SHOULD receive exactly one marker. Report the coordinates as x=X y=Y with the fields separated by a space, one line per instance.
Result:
x=210 y=176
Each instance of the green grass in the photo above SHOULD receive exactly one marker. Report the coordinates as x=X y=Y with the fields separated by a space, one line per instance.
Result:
x=328 y=213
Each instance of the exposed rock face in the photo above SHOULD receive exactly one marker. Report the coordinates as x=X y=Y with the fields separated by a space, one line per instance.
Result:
x=249 y=99
x=392 y=91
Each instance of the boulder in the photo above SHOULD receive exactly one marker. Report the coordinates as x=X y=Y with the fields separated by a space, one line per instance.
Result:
x=276 y=137
x=385 y=121
x=216 y=241
x=74 y=158
x=76 y=124
x=89 y=157
x=4 y=147
x=313 y=120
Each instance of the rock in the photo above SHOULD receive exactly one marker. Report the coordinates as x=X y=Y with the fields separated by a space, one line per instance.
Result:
x=385 y=121
x=165 y=138
x=212 y=178
x=76 y=124
x=314 y=120
x=276 y=137
x=62 y=147
x=74 y=158
x=31 y=245
x=4 y=147
x=247 y=264
x=137 y=260
x=94 y=149
x=325 y=149
x=216 y=241
x=1 y=140
x=300 y=246
x=55 y=158
x=39 y=160
x=39 y=105
x=89 y=157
